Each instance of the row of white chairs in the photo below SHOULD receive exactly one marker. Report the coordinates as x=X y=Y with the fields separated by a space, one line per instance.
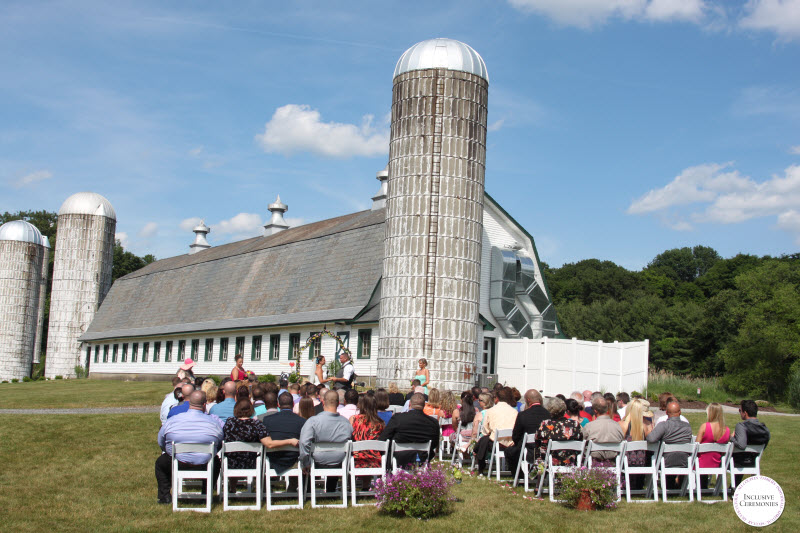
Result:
x=260 y=477
x=656 y=470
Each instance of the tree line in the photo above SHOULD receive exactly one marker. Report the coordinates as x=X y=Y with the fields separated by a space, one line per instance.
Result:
x=736 y=318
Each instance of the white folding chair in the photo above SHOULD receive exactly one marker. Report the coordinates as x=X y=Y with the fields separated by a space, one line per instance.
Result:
x=419 y=447
x=497 y=454
x=652 y=470
x=362 y=446
x=725 y=451
x=444 y=442
x=690 y=450
x=618 y=448
x=480 y=428
x=324 y=472
x=252 y=475
x=270 y=472
x=551 y=470
x=179 y=476
x=755 y=470
x=460 y=442
x=524 y=465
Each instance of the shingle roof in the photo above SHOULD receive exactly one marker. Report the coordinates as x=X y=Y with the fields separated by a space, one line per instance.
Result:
x=319 y=272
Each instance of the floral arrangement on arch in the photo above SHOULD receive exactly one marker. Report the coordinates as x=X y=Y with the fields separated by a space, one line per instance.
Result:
x=308 y=343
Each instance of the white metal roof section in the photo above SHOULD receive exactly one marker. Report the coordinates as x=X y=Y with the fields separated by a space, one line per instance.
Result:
x=442 y=53
x=19 y=230
x=87 y=203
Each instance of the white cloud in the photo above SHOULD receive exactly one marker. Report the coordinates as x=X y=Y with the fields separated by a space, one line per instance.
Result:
x=241 y=225
x=795 y=150
x=589 y=13
x=188 y=224
x=730 y=197
x=33 y=177
x=122 y=237
x=701 y=183
x=298 y=128
x=496 y=125
x=148 y=230
x=781 y=101
x=195 y=152
x=779 y=16
x=294 y=222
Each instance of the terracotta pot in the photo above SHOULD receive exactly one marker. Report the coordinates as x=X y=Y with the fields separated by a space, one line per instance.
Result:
x=585 y=501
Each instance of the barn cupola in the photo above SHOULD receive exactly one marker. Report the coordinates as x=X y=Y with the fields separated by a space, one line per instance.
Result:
x=379 y=200
x=200 y=243
x=276 y=223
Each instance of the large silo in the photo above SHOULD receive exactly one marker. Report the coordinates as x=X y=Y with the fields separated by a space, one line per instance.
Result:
x=37 y=348
x=434 y=214
x=82 y=265
x=21 y=252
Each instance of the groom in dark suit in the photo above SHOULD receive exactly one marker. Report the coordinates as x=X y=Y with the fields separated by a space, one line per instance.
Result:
x=528 y=421
x=412 y=427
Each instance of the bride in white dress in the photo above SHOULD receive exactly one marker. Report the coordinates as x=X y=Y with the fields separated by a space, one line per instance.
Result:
x=320 y=376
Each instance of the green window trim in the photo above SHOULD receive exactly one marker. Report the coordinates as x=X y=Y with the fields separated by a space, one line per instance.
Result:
x=105 y=353
x=181 y=350
x=124 y=352
x=156 y=351
x=255 y=348
x=364 y=344
x=223 y=349
x=134 y=352
x=97 y=354
x=114 y=352
x=195 y=348
x=345 y=336
x=88 y=354
x=168 y=352
x=145 y=350
x=209 y=350
x=294 y=345
x=239 y=347
x=274 y=347
x=315 y=348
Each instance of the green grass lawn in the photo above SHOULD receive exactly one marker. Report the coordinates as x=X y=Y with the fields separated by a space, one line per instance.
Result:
x=76 y=393
x=95 y=472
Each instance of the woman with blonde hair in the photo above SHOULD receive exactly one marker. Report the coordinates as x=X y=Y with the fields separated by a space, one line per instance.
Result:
x=713 y=430
x=485 y=401
x=395 y=396
x=449 y=405
x=433 y=407
x=423 y=375
x=636 y=428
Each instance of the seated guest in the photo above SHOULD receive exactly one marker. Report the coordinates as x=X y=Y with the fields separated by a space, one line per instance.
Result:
x=294 y=388
x=465 y=416
x=211 y=394
x=350 y=406
x=612 y=407
x=193 y=426
x=502 y=416
x=636 y=428
x=367 y=425
x=557 y=428
x=663 y=417
x=623 y=399
x=448 y=407
x=395 y=396
x=672 y=431
x=382 y=405
x=587 y=402
x=414 y=384
x=242 y=392
x=417 y=390
x=306 y=392
x=663 y=399
x=328 y=426
x=713 y=430
x=283 y=386
x=574 y=410
x=412 y=427
x=603 y=430
x=170 y=399
x=319 y=407
x=518 y=399
x=476 y=392
x=270 y=405
x=183 y=406
x=259 y=406
x=283 y=429
x=748 y=432
x=433 y=406
x=224 y=409
x=528 y=421
x=241 y=427
x=305 y=408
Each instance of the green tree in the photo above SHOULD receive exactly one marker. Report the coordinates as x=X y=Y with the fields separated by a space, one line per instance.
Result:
x=126 y=262
x=685 y=264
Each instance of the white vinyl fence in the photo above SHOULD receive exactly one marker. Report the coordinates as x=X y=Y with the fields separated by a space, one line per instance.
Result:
x=556 y=366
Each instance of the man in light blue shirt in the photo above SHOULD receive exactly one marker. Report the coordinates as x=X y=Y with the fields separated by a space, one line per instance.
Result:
x=193 y=426
x=224 y=409
x=170 y=400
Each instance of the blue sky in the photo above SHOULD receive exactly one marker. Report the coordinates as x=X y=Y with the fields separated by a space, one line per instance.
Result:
x=618 y=128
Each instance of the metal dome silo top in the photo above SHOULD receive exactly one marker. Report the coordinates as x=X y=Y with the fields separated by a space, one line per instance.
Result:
x=19 y=230
x=87 y=203
x=442 y=53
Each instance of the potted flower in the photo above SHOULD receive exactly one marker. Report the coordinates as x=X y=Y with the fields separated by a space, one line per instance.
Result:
x=422 y=492
x=589 y=488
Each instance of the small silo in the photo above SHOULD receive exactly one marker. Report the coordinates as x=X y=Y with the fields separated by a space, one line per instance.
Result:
x=21 y=252
x=84 y=256
x=434 y=214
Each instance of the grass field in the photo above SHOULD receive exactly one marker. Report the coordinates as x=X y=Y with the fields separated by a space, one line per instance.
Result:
x=77 y=393
x=95 y=473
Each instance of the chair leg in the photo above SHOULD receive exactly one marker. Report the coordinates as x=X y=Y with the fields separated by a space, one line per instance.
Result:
x=627 y=487
x=664 y=485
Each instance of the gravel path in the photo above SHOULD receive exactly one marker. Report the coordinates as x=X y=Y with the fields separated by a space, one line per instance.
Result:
x=82 y=411
x=728 y=410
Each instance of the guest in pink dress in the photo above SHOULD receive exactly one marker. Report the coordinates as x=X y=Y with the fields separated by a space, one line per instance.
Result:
x=712 y=431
